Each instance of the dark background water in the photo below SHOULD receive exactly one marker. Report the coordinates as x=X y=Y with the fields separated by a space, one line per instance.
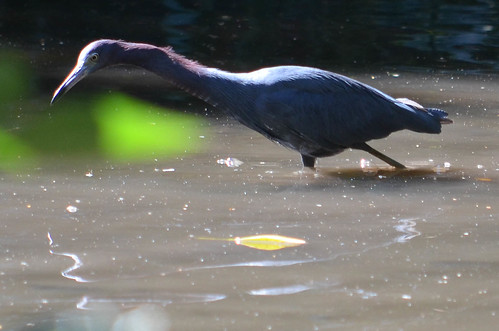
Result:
x=243 y=35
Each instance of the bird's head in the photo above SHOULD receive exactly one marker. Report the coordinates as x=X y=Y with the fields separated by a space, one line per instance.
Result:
x=94 y=56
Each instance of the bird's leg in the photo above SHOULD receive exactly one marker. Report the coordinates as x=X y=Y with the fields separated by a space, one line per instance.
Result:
x=369 y=149
x=308 y=161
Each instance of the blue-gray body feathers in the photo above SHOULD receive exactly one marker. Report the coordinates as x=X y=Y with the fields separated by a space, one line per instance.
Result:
x=315 y=112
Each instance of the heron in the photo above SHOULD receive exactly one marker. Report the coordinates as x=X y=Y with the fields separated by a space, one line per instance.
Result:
x=312 y=111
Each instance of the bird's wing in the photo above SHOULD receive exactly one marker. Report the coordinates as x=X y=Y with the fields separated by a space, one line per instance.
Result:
x=327 y=111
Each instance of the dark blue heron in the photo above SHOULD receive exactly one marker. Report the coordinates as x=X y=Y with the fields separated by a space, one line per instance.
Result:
x=315 y=112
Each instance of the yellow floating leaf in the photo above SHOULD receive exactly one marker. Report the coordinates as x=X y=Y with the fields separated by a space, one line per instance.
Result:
x=269 y=242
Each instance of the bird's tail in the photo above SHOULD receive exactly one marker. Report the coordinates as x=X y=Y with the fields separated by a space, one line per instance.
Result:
x=428 y=120
x=440 y=114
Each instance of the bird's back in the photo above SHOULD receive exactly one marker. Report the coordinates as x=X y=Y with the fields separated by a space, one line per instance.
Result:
x=311 y=110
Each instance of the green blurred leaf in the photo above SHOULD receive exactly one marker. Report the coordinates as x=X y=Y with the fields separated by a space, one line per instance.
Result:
x=132 y=129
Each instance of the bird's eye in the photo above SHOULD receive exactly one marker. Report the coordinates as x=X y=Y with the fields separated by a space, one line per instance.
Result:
x=94 y=57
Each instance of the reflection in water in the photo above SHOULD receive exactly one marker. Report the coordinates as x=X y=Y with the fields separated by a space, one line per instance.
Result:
x=292 y=289
x=144 y=317
x=77 y=262
x=408 y=227
x=263 y=263
x=110 y=316
x=383 y=172
x=94 y=303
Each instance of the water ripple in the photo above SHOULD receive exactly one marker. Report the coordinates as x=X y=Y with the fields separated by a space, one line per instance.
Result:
x=281 y=290
x=87 y=302
x=263 y=263
x=66 y=273
x=407 y=226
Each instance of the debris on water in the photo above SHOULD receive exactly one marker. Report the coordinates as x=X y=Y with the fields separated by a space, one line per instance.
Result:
x=364 y=163
x=266 y=242
x=441 y=169
x=230 y=162
x=71 y=209
x=164 y=170
x=269 y=242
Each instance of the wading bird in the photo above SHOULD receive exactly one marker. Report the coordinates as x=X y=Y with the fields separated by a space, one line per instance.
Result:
x=315 y=112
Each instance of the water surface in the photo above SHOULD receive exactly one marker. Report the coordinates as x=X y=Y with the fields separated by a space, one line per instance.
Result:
x=86 y=244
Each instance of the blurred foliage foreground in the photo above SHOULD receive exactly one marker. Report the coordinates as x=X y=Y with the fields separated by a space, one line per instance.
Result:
x=114 y=126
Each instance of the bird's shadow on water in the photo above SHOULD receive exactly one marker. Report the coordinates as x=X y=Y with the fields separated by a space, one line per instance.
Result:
x=323 y=178
x=388 y=173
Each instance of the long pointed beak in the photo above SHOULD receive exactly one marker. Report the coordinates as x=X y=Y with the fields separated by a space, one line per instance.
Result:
x=78 y=73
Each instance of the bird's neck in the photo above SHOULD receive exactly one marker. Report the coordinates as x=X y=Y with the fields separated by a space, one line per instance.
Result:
x=205 y=83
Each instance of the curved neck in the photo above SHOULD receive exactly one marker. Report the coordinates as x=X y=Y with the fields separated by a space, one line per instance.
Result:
x=208 y=84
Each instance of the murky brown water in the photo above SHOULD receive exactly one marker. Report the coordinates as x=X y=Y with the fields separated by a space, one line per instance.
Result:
x=94 y=244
